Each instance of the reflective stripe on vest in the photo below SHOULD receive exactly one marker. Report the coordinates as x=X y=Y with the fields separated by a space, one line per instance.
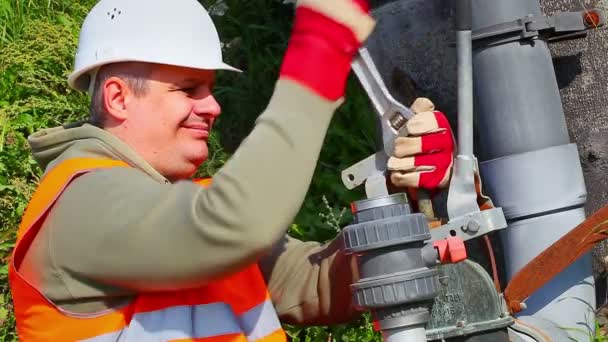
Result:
x=234 y=308
x=198 y=321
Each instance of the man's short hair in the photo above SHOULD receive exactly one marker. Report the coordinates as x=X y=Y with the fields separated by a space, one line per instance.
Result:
x=133 y=73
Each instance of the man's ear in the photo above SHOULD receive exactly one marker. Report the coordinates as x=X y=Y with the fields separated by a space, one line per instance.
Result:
x=115 y=97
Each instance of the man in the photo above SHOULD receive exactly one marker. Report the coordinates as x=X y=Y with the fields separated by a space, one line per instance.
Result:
x=118 y=244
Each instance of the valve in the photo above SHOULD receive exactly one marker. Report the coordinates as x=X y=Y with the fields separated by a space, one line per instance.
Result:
x=397 y=263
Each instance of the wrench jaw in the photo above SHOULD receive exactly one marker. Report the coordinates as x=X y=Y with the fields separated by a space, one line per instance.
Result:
x=388 y=137
x=393 y=126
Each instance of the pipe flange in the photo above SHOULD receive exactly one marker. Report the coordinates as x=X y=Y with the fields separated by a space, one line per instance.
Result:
x=379 y=202
x=396 y=288
x=386 y=232
x=419 y=318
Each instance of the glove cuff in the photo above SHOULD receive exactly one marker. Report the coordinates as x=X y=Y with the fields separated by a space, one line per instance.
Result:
x=325 y=37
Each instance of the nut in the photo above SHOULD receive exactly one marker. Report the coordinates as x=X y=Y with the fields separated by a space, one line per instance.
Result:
x=473 y=226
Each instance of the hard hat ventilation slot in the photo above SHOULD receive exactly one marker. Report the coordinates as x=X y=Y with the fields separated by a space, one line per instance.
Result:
x=113 y=14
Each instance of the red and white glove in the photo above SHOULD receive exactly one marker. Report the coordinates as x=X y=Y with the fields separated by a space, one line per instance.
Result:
x=326 y=36
x=425 y=157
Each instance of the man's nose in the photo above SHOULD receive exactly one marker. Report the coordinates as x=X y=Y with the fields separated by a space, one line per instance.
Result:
x=207 y=106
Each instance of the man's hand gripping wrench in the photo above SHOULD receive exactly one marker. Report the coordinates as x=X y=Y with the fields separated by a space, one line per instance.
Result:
x=393 y=116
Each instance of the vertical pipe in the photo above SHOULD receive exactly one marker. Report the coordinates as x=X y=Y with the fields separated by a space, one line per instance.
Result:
x=517 y=101
x=462 y=198
x=465 y=77
x=529 y=167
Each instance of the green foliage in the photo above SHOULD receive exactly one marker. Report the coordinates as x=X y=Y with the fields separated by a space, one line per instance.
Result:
x=37 y=43
x=34 y=62
x=16 y=15
x=360 y=331
x=599 y=333
x=255 y=42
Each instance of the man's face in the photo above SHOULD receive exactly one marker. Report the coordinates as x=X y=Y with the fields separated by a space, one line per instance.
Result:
x=170 y=125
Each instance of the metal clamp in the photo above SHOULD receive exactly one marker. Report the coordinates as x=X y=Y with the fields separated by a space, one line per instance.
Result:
x=471 y=226
x=356 y=174
x=562 y=26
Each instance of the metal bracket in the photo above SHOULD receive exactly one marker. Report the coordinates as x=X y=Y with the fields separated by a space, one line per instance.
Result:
x=471 y=226
x=356 y=174
x=562 y=26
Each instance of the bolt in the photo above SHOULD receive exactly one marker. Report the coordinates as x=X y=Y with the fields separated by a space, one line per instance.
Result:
x=472 y=226
x=461 y=324
x=591 y=19
x=523 y=306
x=398 y=121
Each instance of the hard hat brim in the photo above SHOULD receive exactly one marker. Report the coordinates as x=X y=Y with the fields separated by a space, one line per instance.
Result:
x=80 y=80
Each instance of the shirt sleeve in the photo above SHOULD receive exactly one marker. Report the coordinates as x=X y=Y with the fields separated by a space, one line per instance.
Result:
x=122 y=228
x=310 y=282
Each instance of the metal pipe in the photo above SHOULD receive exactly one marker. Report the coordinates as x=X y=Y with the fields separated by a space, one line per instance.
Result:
x=465 y=93
x=462 y=197
x=404 y=335
x=465 y=77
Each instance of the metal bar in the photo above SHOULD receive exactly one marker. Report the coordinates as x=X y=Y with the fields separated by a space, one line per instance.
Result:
x=463 y=15
x=465 y=93
x=462 y=196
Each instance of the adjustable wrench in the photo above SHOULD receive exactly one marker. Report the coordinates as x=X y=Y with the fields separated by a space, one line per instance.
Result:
x=392 y=116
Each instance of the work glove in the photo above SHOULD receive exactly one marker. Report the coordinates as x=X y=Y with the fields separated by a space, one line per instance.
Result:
x=325 y=37
x=424 y=158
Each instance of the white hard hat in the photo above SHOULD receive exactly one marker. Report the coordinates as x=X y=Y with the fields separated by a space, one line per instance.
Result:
x=173 y=32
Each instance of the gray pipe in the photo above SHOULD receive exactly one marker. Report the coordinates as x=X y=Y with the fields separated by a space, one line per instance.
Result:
x=517 y=90
x=404 y=335
x=465 y=93
x=465 y=77
x=529 y=168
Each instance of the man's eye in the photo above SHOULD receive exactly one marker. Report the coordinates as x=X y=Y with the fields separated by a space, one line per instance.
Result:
x=188 y=91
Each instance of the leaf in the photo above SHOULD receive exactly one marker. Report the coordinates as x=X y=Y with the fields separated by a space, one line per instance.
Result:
x=6 y=246
x=3 y=315
x=6 y=187
x=65 y=20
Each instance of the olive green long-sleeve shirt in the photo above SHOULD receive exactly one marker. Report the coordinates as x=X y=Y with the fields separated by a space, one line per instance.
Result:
x=116 y=232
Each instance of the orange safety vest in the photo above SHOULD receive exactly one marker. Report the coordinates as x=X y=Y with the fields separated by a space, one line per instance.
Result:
x=235 y=308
